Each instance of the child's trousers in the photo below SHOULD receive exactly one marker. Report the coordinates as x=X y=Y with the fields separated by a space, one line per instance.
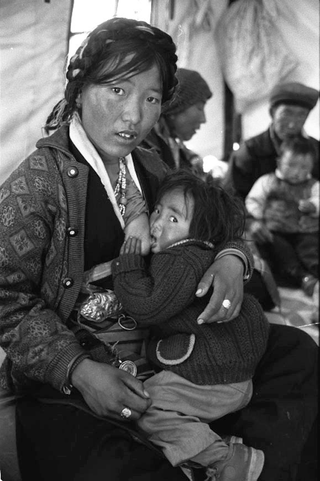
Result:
x=177 y=420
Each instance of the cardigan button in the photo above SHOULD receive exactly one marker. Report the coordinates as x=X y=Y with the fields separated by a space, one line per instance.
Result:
x=72 y=232
x=72 y=172
x=67 y=282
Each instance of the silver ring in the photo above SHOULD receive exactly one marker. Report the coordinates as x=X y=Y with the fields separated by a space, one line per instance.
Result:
x=226 y=304
x=126 y=413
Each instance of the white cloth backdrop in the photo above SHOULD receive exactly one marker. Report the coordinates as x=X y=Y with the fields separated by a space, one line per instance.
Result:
x=33 y=51
x=33 y=48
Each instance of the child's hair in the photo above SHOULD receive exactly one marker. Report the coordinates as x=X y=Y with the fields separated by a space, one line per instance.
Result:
x=218 y=216
x=117 y=49
x=298 y=146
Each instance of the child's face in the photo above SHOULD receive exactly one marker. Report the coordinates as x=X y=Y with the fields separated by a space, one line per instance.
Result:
x=295 y=168
x=170 y=220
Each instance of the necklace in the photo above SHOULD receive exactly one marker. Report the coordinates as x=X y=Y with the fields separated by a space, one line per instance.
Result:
x=121 y=185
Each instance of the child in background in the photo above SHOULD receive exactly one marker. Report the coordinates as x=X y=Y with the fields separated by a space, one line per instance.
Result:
x=205 y=370
x=284 y=209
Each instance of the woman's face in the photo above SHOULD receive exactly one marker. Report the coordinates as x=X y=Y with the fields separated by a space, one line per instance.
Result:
x=118 y=116
x=185 y=124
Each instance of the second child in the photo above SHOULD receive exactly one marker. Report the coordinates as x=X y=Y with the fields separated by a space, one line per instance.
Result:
x=283 y=210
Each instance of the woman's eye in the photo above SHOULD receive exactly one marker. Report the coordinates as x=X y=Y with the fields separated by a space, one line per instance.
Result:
x=118 y=90
x=153 y=100
x=172 y=218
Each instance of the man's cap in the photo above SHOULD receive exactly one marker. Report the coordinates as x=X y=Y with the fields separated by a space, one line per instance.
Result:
x=191 y=89
x=295 y=93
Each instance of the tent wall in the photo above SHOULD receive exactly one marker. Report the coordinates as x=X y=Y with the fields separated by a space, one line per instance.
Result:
x=298 y=23
x=33 y=45
x=33 y=50
x=187 y=22
x=191 y=24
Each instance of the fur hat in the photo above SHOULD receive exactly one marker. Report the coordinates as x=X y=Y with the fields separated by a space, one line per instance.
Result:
x=295 y=93
x=192 y=88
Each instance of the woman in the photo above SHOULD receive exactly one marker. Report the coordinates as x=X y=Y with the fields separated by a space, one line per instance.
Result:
x=58 y=222
x=180 y=120
x=60 y=218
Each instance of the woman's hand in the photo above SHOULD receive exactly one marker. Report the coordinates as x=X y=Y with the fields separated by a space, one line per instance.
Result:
x=108 y=390
x=226 y=276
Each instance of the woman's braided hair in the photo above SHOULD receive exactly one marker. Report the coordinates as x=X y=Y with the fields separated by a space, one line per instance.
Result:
x=118 y=48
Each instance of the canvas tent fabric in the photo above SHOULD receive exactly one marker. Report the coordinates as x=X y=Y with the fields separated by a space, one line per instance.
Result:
x=254 y=57
x=33 y=53
x=33 y=48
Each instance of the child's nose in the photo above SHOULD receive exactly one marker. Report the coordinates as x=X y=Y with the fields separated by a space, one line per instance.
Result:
x=155 y=227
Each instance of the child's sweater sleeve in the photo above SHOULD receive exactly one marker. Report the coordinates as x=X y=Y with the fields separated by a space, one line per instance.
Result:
x=155 y=295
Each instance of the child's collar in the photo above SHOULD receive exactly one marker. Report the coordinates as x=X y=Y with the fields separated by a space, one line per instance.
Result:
x=185 y=241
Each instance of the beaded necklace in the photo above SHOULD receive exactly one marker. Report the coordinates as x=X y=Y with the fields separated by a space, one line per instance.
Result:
x=121 y=185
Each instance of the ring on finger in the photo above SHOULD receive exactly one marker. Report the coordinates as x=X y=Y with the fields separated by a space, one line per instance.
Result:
x=126 y=413
x=226 y=304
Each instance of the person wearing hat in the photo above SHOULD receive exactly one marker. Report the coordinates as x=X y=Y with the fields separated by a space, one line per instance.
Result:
x=180 y=121
x=289 y=107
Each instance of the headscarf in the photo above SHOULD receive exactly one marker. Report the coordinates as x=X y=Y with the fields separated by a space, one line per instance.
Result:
x=192 y=88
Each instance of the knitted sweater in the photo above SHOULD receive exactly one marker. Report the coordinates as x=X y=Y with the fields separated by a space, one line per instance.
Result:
x=257 y=156
x=276 y=202
x=163 y=297
x=42 y=224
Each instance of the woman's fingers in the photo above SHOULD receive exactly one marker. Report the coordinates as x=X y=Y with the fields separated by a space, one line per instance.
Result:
x=226 y=276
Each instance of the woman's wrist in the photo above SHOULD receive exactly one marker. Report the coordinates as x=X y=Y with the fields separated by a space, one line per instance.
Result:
x=81 y=373
x=72 y=367
x=238 y=254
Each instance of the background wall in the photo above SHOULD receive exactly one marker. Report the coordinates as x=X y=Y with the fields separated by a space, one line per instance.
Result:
x=33 y=52
x=298 y=23
x=192 y=24
x=187 y=22
x=33 y=48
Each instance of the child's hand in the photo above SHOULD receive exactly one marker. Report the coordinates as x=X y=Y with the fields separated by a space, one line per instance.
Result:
x=132 y=245
x=306 y=207
x=260 y=233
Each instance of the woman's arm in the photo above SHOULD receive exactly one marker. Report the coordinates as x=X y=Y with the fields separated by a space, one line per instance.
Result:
x=32 y=228
x=227 y=275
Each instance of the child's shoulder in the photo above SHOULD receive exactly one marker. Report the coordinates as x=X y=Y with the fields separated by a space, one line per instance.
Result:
x=192 y=252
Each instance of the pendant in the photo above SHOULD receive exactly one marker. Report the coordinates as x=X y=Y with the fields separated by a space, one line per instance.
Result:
x=129 y=366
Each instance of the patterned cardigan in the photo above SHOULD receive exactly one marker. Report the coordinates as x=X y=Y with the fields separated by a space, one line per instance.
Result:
x=42 y=226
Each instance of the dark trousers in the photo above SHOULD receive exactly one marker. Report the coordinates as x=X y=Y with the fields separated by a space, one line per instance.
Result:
x=292 y=256
x=57 y=441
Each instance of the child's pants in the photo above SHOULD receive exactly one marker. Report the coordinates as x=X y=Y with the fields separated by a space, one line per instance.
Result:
x=178 y=417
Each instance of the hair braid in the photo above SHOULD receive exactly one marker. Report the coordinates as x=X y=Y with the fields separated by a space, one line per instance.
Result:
x=127 y=47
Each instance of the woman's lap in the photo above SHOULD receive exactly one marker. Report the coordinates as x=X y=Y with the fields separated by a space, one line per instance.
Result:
x=62 y=442
x=71 y=444
x=9 y=469
x=284 y=405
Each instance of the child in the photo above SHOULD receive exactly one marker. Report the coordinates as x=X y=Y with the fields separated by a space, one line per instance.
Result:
x=285 y=208
x=205 y=370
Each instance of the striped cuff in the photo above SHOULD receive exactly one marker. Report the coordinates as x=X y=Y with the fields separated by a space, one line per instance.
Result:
x=67 y=387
